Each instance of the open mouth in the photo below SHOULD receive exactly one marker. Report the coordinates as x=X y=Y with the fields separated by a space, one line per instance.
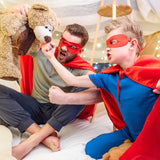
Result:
x=62 y=55
x=108 y=56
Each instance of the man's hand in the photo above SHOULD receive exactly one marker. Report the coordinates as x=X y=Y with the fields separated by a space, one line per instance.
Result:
x=22 y=9
x=48 y=50
x=158 y=88
x=56 y=95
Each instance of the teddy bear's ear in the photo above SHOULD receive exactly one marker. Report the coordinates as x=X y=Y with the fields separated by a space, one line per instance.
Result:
x=106 y=156
x=40 y=7
x=127 y=141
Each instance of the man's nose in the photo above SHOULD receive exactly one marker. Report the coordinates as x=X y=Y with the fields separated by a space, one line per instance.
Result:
x=64 y=48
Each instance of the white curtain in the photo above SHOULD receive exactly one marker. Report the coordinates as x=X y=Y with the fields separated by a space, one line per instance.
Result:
x=144 y=12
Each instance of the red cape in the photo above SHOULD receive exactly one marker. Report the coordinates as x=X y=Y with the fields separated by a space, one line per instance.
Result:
x=145 y=71
x=26 y=67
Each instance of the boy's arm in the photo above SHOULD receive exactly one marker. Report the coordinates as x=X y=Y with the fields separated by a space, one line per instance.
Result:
x=89 y=96
x=79 y=81
x=158 y=88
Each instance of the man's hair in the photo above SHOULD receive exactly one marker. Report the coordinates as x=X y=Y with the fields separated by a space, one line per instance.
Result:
x=79 y=31
x=129 y=28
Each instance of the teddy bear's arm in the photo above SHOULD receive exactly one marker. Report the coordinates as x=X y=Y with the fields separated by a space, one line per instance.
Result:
x=11 y=22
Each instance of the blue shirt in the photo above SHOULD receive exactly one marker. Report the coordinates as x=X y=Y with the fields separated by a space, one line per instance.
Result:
x=136 y=100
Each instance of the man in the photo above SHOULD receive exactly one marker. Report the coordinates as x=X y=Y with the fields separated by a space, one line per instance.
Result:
x=27 y=112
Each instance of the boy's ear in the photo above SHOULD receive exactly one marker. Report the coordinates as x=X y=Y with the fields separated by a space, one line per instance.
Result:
x=134 y=44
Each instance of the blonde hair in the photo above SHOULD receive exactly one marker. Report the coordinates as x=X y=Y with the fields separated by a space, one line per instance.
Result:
x=129 y=28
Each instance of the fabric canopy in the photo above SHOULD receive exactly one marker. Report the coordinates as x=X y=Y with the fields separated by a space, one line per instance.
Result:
x=144 y=12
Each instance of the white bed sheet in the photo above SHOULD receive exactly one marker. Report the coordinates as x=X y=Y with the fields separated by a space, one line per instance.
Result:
x=73 y=138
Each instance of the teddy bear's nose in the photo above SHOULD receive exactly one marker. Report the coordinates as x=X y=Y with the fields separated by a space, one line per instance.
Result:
x=47 y=39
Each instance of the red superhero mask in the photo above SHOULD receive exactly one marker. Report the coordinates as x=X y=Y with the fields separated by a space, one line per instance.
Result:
x=118 y=40
x=73 y=48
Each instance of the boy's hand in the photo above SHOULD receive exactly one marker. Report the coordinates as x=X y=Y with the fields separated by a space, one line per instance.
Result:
x=56 y=95
x=158 y=88
x=22 y=9
x=48 y=50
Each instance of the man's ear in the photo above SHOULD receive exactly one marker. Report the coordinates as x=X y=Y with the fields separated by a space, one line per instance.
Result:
x=81 y=51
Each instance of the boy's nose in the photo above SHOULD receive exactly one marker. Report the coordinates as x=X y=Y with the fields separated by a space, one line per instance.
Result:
x=108 y=49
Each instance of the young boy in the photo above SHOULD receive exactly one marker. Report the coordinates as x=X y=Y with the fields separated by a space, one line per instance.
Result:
x=126 y=88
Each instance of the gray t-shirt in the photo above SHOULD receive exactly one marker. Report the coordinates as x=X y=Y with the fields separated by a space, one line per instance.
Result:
x=45 y=76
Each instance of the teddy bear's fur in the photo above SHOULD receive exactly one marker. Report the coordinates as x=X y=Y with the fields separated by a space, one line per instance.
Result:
x=10 y=24
x=115 y=152
x=18 y=34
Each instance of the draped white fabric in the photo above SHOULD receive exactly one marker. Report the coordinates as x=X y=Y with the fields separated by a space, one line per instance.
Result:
x=144 y=12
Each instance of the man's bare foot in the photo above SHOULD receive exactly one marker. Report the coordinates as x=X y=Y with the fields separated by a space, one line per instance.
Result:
x=26 y=146
x=21 y=150
x=52 y=142
x=46 y=134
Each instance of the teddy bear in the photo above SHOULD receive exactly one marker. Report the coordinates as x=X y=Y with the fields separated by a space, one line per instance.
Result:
x=6 y=144
x=19 y=34
x=115 y=152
